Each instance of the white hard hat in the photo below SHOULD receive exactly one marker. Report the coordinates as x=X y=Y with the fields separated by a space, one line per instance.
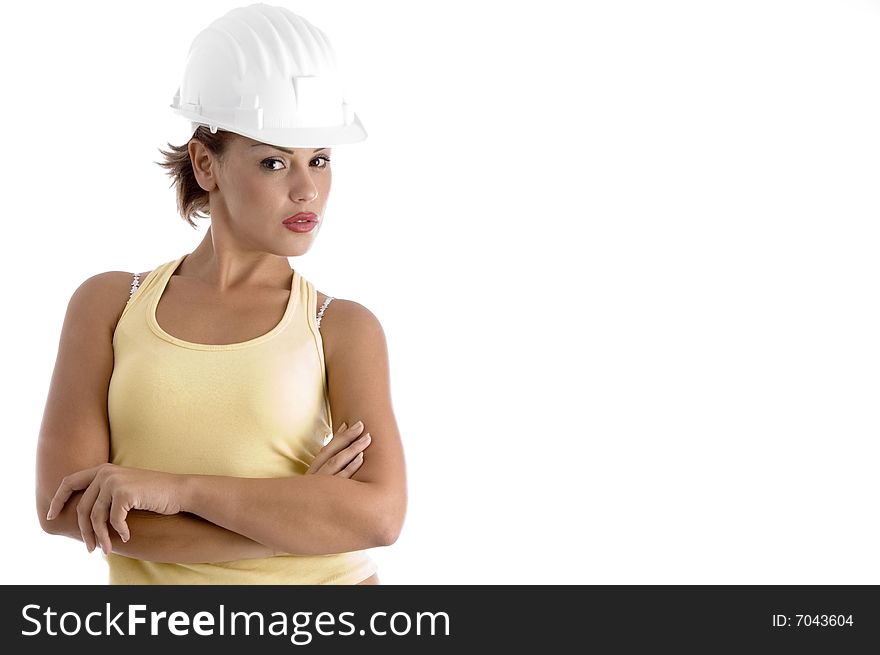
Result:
x=268 y=74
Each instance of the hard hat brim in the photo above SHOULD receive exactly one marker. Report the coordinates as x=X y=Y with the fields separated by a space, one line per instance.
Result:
x=292 y=137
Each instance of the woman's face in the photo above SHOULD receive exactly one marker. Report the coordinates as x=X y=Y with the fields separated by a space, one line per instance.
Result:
x=258 y=186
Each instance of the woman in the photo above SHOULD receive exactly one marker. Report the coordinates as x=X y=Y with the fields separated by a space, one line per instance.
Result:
x=186 y=423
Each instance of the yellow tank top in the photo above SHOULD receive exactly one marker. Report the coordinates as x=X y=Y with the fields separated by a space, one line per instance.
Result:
x=257 y=408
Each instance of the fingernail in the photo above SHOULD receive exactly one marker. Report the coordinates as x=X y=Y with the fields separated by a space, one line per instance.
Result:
x=343 y=426
x=104 y=548
x=50 y=516
x=359 y=424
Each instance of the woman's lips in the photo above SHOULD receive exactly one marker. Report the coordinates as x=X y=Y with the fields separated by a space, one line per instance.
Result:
x=310 y=216
x=302 y=226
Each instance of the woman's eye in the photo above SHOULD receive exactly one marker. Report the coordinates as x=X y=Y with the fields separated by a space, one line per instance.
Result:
x=267 y=163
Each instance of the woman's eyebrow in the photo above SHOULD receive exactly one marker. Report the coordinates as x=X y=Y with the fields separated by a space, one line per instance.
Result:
x=289 y=152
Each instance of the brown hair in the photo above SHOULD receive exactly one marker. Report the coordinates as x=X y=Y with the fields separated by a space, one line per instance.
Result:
x=192 y=200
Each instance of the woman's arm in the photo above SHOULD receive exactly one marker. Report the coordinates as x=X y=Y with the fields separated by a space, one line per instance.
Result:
x=75 y=434
x=302 y=515
x=181 y=538
x=321 y=514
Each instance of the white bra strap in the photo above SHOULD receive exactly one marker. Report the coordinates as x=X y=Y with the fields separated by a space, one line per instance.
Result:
x=323 y=307
x=134 y=284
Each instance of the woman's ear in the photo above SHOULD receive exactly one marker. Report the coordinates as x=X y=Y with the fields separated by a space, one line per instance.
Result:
x=203 y=164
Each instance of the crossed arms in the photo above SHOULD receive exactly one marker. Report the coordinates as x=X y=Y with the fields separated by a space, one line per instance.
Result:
x=200 y=518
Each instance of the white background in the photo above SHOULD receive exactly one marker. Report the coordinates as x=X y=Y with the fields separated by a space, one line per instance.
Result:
x=625 y=256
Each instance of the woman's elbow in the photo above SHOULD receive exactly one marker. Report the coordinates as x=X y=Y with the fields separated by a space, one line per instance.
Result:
x=55 y=526
x=66 y=521
x=389 y=535
x=46 y=525
x=49 y=527
x=391 y=524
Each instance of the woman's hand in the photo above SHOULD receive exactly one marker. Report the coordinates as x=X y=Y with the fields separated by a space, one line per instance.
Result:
x=111 y=492
x=344 y=454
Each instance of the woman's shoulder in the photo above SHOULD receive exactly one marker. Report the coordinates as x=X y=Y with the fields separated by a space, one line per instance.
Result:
x=345 y=321
x=346 y=311
x=118 y=283
x=108 y=292
x=111 y=283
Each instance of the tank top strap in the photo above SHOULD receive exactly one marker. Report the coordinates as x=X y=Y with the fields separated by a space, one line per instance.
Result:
x=323 y=307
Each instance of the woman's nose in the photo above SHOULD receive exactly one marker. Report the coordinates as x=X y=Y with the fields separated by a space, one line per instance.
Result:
x=303 y=189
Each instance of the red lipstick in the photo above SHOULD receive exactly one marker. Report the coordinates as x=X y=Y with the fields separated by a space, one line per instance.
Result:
x=302 y=222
